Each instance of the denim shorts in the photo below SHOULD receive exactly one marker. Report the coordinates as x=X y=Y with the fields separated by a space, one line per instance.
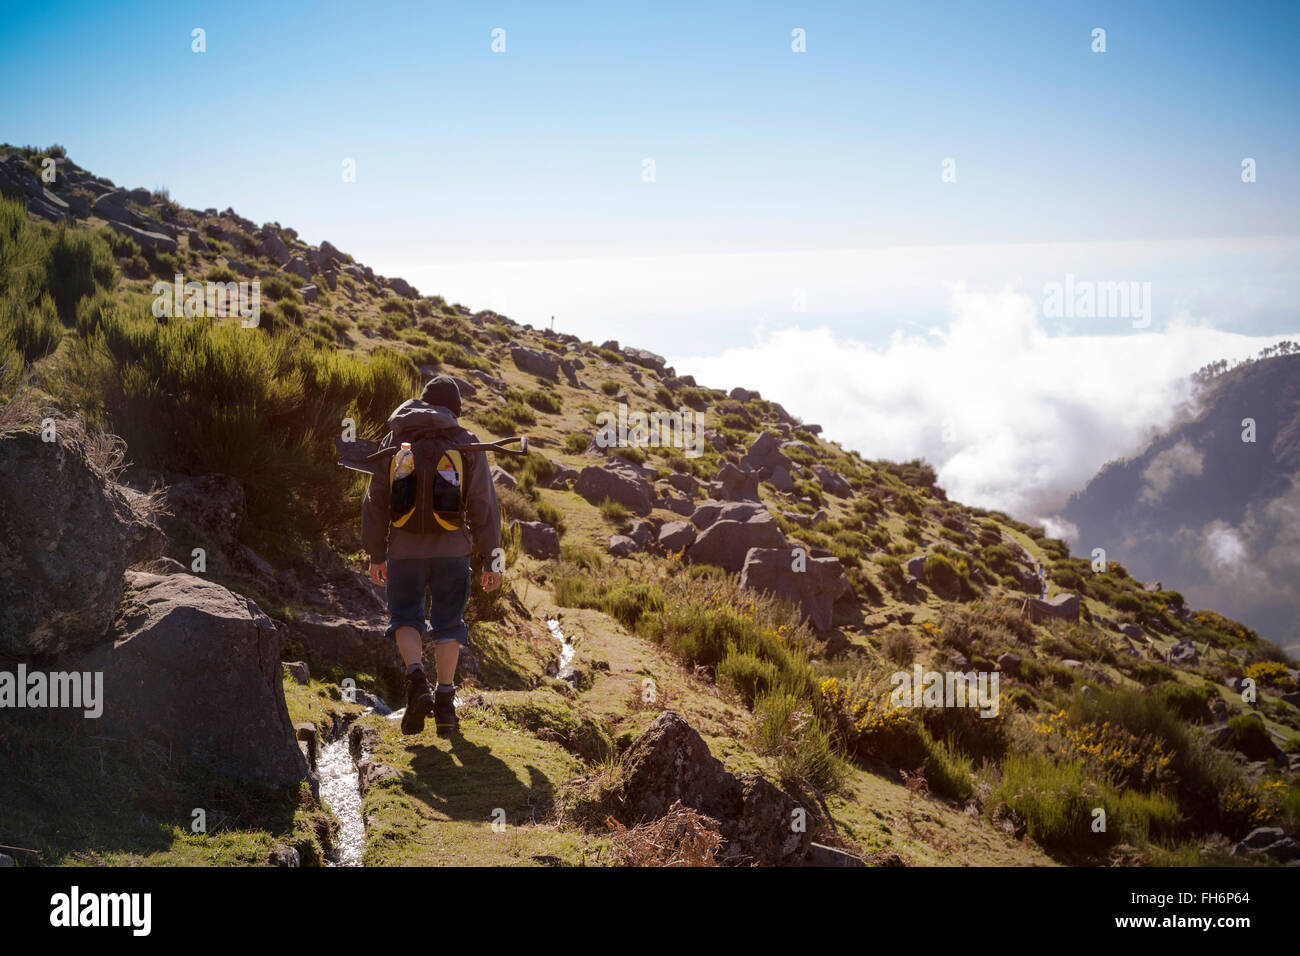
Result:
x=429 y=594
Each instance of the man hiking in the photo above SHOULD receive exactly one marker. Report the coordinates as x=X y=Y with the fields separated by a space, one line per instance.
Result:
x=426 y=511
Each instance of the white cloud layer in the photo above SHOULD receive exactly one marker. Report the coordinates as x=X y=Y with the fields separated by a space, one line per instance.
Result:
x=1011 y=417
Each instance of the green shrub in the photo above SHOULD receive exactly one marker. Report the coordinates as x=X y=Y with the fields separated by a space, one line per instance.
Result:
x=898 y=647
x=277 y=289
x=77 y=262
x=612 y=511
x=199 y=398
x=1188 y=702
x=32 y=331
x=544 y=400
x=798 y=742
x=946 y=574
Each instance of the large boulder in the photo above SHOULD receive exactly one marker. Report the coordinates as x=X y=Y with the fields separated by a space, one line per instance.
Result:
x=67 y=535
x=735 y=484
x=645 y=358
x=618 y=481
x=676 y=536
x=684 y=482
x=1183 y=654
x=537 y=362
x=711 y=511
x=112 y=207
x=538 y=539
x=813 y=588
x=781 y=479
x=503 y=478
x=403 y=288
x=273 y=248
x=621 y=545
x=1272 y=842
x=671 y=762
x=352 y=643
x=148 y=239
x=726 y=543
x=199 y=666
x=833 y=482
x=765 y=454
x=298 y=266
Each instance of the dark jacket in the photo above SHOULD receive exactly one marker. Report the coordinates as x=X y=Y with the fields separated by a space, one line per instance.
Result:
x=412 y=420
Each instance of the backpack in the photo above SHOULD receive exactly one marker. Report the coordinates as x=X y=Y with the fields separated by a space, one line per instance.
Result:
x=432 y=497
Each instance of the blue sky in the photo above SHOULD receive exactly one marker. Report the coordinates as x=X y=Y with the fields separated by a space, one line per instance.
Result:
x=536 y=152
x=797 y=206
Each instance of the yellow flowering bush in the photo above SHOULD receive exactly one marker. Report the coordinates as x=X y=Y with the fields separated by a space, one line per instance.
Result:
x=1110 y=751
x=1271 y=674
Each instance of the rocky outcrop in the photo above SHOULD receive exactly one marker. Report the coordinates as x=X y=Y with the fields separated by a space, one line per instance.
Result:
x=676 y=536
x=726 y=543
x=351 y=643
x=812 y=584
x=403 y=288
x=670 y=762
x=1270 y=841
x=620 y=545
x=543 y=364
x=833 y=482
x=645 y=358
x=1183 y=654
x=781 y=479
x=298 y=266
x=618 y=481
x=538 y=539
x=764 y=455
x=67 y=535
x=711 y=511
x=503 y=478
x=199 y=666
x=148 y=239
x=735 y=484
x=273 y=248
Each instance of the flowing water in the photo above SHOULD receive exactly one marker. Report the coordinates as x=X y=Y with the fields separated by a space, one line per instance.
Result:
x=567 y=650
x=339 y=790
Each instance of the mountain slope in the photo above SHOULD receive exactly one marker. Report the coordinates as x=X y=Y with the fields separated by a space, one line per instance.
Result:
x=1208 y=511
x=769 y=590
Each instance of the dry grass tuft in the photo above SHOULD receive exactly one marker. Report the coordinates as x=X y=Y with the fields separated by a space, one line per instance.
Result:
x=681 y=837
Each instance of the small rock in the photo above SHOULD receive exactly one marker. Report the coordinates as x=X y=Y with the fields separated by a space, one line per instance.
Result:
x=282 y=855
x=299 y=671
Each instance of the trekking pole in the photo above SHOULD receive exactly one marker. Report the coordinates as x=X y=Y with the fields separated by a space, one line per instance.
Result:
x=499 y=446
x=368 y=463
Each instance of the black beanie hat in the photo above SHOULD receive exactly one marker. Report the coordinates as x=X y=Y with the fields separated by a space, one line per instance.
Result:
x=442 y=390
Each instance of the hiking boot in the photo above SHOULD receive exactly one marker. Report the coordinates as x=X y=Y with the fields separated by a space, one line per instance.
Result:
x=444 y=712
x=419 y=703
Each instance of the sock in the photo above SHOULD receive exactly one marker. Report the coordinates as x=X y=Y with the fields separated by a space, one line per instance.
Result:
x=446 y=688
x=416 y=668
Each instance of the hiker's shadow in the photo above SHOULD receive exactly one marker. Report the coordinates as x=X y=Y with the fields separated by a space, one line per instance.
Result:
x=466 y=781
